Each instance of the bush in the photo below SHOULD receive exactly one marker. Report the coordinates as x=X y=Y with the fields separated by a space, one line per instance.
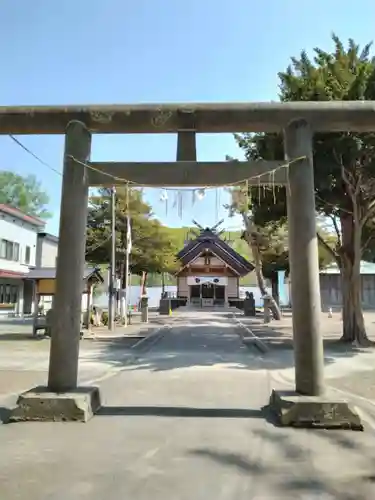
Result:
x=104 y=318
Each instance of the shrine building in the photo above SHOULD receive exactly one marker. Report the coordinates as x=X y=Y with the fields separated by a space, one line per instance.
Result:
x=210 y=270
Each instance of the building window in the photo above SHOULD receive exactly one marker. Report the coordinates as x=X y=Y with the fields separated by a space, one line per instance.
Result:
x=27 y=255
x=14 y=295
x=8 y=294
x=16 y=252
x=3 y=249
x=9 y=250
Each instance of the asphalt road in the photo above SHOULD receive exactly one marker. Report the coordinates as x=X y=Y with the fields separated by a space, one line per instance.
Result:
x=184 y=420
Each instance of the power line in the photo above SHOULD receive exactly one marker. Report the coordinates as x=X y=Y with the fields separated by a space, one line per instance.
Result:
x=34 y=155
x=19 y=143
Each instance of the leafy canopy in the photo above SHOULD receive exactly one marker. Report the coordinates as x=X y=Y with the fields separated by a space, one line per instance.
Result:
x=153 y=247
x=344 y=163
x=24 y=193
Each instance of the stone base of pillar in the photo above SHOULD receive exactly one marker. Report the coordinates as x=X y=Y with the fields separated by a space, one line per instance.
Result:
x=41 y=405
x=321 y=412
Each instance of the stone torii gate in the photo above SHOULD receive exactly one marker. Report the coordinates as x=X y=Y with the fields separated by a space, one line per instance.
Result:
x=61 y=399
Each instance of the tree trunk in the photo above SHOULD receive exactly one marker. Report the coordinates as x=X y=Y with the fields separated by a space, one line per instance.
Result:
x=253 y=244
x=354 y=330
x=123 y=274
x=275 y=287
x=123 y=283
x=144 y=283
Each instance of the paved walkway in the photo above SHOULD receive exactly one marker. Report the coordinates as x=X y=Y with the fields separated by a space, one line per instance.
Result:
x=347 y=368
x=184 y=420
x=24 y=359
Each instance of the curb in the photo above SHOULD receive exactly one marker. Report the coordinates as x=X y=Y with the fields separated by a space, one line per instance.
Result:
x=124 y=334
x=261 y=346
x=156 y=336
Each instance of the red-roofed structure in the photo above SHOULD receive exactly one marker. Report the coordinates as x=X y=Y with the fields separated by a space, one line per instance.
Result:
x=15 y=212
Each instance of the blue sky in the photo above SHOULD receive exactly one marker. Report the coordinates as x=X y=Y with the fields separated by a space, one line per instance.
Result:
x=137 y=51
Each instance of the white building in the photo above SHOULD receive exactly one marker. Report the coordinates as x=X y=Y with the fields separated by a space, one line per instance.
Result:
x=46 y=250
x=28 y=258
x=18 y=249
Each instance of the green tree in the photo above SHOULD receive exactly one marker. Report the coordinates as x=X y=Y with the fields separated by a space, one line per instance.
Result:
x=344 y=165
x=268 y=244
x=24 y=193
x=275 y=251
x=255 y=240
x=153 y=248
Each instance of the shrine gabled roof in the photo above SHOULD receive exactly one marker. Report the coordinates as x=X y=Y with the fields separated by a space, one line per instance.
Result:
x=207 y=239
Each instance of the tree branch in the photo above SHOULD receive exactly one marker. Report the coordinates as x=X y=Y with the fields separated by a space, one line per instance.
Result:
x=365 y=245
x=329 y=249
x=344 y=175
x=370 y=212
x=335 y=225
x=333 y=205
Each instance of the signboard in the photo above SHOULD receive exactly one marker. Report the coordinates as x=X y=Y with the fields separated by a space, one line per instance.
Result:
x=214 y=280
x=46 y=287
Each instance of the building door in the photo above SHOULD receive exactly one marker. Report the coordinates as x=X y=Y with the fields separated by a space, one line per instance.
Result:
x=195 y=295
x=195 y=292
x=208 y=294
x=207 y=291
x=219 y=294
x=28 y=295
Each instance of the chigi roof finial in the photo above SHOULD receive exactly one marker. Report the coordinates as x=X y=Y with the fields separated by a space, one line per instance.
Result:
x=210 y=229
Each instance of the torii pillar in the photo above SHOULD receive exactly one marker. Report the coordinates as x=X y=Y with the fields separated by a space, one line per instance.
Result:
x=304 y=261
x=62 y=399
x=309 y=405
x=63 y=363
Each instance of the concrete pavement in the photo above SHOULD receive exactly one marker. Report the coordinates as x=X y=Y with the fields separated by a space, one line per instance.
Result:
x=24 y=359
x=346 y=368
x=184 y=420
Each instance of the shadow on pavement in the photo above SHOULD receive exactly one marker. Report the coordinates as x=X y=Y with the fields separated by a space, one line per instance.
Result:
x=277 y=337
x=241 y=462
x=4 y=415
x=287 y=462
x=16 y=321
x=181 y=412
x=15 y=336
x=196 y=345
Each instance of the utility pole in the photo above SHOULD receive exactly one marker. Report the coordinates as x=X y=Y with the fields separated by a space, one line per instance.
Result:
x=128 y=252
x=127 y=276
x=112 y=277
